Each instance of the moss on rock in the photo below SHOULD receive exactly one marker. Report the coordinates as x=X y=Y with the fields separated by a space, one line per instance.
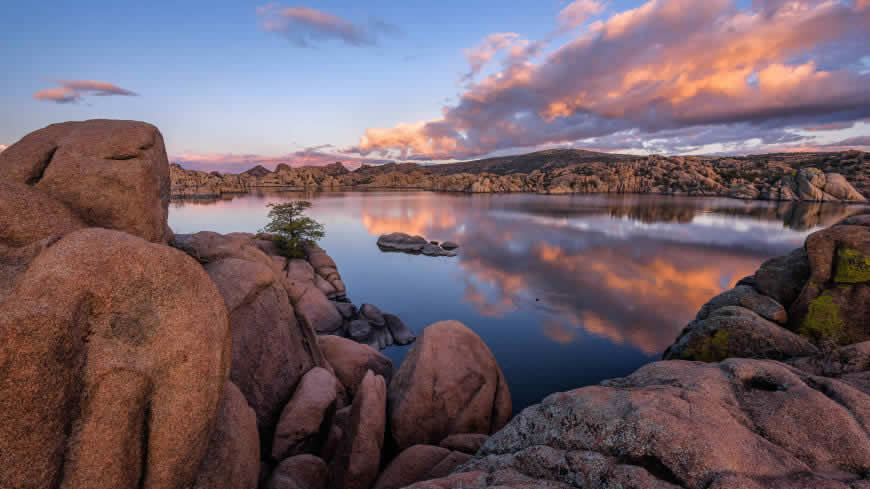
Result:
x=852 y=266
x=823 y=324
x=710 y=348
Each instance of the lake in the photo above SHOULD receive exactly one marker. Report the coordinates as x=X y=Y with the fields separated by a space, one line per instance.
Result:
x=565 y=290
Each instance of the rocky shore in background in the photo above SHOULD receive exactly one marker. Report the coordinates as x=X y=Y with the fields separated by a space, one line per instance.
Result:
x=132 y=357
x=843 y=176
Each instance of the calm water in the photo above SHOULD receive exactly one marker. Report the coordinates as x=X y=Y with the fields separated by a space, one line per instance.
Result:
x=565 y=290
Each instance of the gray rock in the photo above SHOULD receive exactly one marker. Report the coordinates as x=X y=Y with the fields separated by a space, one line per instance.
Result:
x=373 y=314
x=734 y=331
x=402 y=334
x=402 y=242
x=359 y=330
x=449 y=245
x=346 y=309
x=748 y=297
x=782 y=278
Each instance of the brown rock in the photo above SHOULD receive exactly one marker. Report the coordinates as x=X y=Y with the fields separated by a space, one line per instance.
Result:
x=113 y=174
x=28 y=215
x=358 y=457
x=139 y=329
x=449 y=383
x=233 y=457
x=315 y=309
x=352 y=360
x=299 y=472
x=207 y=247
x=302 y=427
x=464 y=442
x=419 y=463
x=677 y=424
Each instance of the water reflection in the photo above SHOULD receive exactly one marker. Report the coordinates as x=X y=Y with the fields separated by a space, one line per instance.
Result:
x=600 y=283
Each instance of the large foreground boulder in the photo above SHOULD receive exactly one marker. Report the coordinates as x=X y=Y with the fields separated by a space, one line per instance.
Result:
x=737 y=424
x=113 y=174
x=449 y=383
x=136 y=329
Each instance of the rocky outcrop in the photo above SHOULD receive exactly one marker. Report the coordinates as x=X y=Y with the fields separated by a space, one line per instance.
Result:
x=351 y=361
x=419 y=463
x=449 y=383
x=303 y=424
x=112 y=174
x=739 y=423
x=793 y=176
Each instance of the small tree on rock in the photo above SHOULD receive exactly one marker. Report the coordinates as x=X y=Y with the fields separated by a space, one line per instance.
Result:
x=292 y=230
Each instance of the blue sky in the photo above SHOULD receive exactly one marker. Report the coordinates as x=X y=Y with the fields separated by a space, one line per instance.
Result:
x=217 y=82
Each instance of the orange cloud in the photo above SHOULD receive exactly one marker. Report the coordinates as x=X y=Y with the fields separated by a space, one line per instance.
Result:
x=665 y=65
x=71 y=91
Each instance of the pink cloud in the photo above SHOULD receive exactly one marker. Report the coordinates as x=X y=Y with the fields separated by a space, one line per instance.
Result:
x=304 y=26
x=666 y=65
x=236 y=163
x=73 y=90
x=577 y=12
x=3 y=147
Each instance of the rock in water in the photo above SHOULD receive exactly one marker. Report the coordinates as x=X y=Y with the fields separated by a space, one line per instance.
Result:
x=352 y=360
x=302 y=428
x=449 y=245
x=113 y=174
x=737 y=424
x=358 y=458
x=402 y=242
x=233 y=457
x=138 y=328
x=373 y=314
x=402 y=334
x=449 y=383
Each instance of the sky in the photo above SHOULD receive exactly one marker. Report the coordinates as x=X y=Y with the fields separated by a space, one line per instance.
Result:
x=231 y=84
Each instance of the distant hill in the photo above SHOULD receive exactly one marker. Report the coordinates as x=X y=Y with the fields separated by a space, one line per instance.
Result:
x=257 y=171
x=529 y=162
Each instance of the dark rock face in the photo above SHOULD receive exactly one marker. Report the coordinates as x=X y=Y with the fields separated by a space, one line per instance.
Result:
x=233 y=456
x=402 y=242
x=358 y=457
x=449 y=383
x=113 y=174
x=782 y=278
x=734 y=331
x=740 y=423
x=746 y=296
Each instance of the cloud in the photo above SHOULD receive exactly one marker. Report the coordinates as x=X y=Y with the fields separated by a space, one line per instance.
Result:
x=577 y=12
x=3 y=147
x=71 y=91
x=305 y=26
x=667 y=65
x=236 y=163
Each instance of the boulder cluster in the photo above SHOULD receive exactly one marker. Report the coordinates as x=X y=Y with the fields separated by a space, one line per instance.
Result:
x=132 y=357
x=843 y=176
x=809 y=301
x=415 y=245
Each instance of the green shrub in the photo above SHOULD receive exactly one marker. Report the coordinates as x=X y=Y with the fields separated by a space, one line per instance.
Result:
x=291 y=229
